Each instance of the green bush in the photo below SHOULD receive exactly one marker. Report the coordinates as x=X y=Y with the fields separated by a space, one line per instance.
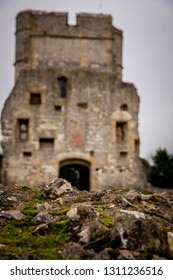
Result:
x=161 y=174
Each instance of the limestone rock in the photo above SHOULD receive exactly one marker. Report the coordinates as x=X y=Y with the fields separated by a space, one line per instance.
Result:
x=80 y=211
x=12 y=198
x=170 y=241
x=138 y=232
x=42 y=217
x=93 y=232
x=125 y=255
x=125 y=202
x=41 y=229
x=44 y=206
x=75 y=251
x=12 y=214
x=133 y=196
x=57 y=188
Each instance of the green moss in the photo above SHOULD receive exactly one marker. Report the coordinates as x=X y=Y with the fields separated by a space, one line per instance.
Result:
x=49 y=254
x=162 y=251
x=96 y=203
x=19 y=240
x=25 y=189
x=108 y=221
x=79 y=199
x=100 y=211
x=145 y=192
x=38 y=197
x=27 y=253
x=105 y=219
x=30 y=211
x=61 y=211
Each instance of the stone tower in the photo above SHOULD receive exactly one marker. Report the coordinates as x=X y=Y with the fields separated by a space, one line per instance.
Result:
x=70 y=114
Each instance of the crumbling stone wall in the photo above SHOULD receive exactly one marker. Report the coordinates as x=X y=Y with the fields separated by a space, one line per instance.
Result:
x=1 y=159
x=69 y=103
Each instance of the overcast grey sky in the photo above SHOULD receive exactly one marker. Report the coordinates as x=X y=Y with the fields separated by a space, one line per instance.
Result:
x=147 y=55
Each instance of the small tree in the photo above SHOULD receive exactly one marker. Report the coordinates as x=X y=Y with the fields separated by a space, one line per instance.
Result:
x=161 y=174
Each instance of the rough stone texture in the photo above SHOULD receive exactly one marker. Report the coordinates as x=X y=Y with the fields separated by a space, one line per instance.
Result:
x=58 y=187
x=170 y=241
x=42 y=217
x=94 y=231
x=130 y=223
x=1 y=158
x=94 y=125
x=87 y=225
x=12 y=214
x=80 y=211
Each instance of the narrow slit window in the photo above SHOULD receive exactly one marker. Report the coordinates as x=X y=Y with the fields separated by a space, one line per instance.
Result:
x=46 y=143
x=137 y=144
x=121 y=131
x=35 y=99
x=62 y=81
x=23 y=129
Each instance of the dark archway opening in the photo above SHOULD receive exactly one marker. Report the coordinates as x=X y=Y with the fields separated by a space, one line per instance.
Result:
x=77 y=174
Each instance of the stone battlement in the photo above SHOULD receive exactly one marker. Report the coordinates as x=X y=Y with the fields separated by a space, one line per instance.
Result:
x=56 y=24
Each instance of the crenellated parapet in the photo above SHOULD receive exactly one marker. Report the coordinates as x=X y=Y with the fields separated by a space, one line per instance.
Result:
x=47 y=40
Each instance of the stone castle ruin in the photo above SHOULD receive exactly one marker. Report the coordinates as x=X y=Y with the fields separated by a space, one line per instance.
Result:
x=70 y=114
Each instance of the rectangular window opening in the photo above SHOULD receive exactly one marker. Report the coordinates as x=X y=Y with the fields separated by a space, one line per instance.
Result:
x=35 y=99
x=82 y=105
x=27 y=154
x=123 y=154
x=121 y=131
x=46 y=143
x=62 y=81
x=23 y=129
x=58 y=108
x=124 y=107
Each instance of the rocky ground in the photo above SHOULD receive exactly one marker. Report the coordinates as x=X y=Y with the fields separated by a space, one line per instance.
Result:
x=57 y=221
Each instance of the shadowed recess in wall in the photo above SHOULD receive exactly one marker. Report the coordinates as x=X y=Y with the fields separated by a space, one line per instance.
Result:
x=77 y=175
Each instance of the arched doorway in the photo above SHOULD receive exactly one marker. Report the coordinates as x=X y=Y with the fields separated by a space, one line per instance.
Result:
x=77 y=172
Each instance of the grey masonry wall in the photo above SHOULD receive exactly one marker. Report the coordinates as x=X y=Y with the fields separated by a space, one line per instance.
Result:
x=69 y=105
